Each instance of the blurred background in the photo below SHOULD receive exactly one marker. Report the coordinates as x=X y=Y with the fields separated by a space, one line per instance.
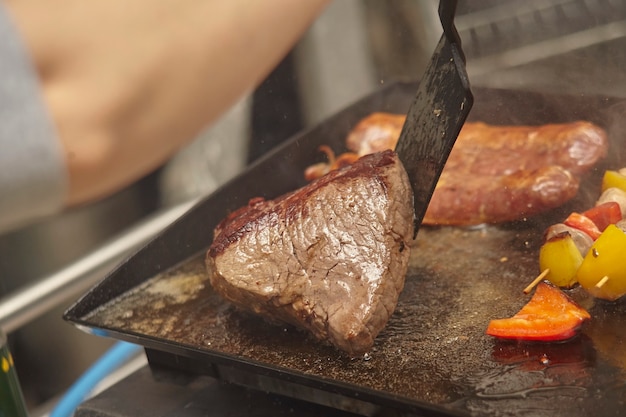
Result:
x=357 y=46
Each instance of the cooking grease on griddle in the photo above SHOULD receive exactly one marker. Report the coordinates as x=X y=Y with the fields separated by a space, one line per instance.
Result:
x=433 y=354
x=157 y=306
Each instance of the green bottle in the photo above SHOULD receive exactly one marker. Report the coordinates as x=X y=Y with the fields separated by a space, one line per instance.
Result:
x=11 y=399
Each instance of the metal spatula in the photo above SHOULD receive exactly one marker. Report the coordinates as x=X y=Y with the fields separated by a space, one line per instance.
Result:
x=437 y=114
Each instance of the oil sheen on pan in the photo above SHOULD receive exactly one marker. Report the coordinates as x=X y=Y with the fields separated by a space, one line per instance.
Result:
x=433 y=349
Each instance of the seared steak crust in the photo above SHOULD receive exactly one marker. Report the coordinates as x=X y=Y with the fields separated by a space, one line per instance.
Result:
x=330 y=257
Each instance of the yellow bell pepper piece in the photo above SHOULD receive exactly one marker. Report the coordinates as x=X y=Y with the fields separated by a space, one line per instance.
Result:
x=613 y=179
x=561 y=258
x=603 y=270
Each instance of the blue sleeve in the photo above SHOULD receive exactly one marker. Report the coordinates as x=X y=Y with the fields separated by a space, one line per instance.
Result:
x=33 y=177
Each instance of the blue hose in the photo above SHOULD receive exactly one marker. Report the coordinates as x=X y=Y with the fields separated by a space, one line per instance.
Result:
x=78 y=392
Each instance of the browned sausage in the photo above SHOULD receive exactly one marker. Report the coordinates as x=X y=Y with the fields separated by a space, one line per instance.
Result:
x=498 y=173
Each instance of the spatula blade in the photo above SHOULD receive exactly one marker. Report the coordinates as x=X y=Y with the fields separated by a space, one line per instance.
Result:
x=433 y=122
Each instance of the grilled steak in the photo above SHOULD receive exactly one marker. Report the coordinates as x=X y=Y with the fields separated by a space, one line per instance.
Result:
x=497 y=173
x=330 y=257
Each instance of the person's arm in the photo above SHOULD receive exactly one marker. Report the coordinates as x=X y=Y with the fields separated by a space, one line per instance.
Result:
x=129 y=82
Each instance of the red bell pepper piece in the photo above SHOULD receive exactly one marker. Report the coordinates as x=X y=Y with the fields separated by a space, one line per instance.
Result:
x=604 y=214
x=550 y=315
x=584 y=223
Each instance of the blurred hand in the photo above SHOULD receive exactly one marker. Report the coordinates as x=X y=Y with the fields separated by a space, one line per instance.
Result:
x=129 y=82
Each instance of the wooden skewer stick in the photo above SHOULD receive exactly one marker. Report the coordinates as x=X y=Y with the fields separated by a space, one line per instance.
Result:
x=602 y=281
x=536 y=281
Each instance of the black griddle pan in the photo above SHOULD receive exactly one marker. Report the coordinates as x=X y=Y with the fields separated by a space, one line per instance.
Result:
x=433 y=357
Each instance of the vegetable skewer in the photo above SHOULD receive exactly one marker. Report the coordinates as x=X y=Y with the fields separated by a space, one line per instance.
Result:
x=567 y=246
x=588 y=248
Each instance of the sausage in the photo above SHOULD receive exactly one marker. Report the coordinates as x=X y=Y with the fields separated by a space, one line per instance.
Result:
x=375 y=133
x=476 y=199
x=494 y=173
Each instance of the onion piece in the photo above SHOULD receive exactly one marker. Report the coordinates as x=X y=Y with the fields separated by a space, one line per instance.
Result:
x=581 y=239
